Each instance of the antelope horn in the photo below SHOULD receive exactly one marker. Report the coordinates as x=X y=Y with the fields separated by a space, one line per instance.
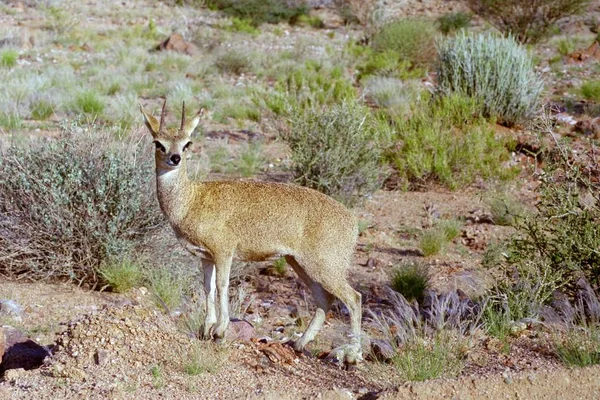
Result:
x=182 y=116
x=163 y=114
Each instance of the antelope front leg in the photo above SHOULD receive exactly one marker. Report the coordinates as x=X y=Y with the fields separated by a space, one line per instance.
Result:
x=209 y=290
x=223 y=267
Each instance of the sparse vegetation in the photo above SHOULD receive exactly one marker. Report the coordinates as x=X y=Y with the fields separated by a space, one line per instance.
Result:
x=528 y=21
x=495 y=71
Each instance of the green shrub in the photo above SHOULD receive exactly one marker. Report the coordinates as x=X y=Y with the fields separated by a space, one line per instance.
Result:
x=394 y=95
x=528 y=21
x=446 y=142
x=411 y=40
x=233 y=62
x=410 y=280
x=453 y=22
x=122 y=275
x=505 y=209
x=335 y=149
x=261 y=11
x=591 y=90
x=89 y=102
x=564 y=232
x=71 y=205
x=313 y=21
x=8 y=58
x=242 y=26
x=496 y=71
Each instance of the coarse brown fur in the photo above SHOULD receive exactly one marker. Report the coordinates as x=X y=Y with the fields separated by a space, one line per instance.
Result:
x=255 y=221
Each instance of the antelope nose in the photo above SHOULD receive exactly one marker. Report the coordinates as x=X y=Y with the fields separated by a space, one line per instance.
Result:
x=175 y=159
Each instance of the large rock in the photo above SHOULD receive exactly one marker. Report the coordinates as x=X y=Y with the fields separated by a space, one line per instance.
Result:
x=20 y=351
x=241 y=330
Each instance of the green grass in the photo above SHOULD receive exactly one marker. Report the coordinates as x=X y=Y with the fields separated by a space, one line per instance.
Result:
x=445 y=141
x=579 y=346
x=250 y=160
x=202 y=359
x=233 y=62
x=89 y=102
x=423 y=359
x=242 y=25
x=433 y=241
x=122 y=276
x=410 y=280
x=590 y=90
x=451 y=228
x=280 y=266
x=8 y=58
x=166 y=287
x=41 y=110
x=10 y=121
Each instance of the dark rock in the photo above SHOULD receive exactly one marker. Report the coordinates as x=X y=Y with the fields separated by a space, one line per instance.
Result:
x=21 y=352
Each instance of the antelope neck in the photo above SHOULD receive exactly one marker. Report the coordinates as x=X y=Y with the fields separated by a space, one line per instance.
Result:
x=174 y=191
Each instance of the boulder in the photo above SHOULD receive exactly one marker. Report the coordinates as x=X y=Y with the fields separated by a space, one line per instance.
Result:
x=20 y=351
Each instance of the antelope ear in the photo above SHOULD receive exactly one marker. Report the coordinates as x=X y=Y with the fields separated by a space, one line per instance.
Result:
x=151 y=123
x=192 y=123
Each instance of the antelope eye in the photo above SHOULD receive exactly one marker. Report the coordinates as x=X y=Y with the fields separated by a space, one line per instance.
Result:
x=159 y=146
x=187 y=145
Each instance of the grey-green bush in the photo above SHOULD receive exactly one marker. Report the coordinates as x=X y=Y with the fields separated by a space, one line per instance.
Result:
x=496 y=71
x=335 y=150
x=74 y=204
